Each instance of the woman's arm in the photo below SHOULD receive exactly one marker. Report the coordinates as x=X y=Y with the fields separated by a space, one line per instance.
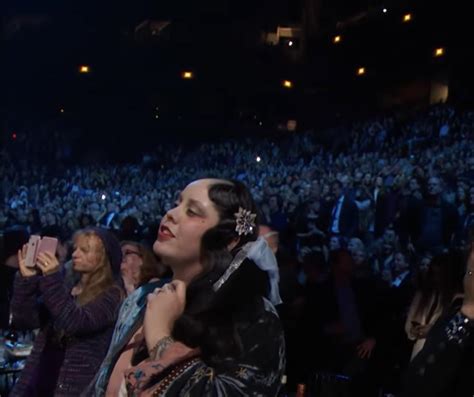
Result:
x=72 y=318
x=409 y=329
x=24 y=305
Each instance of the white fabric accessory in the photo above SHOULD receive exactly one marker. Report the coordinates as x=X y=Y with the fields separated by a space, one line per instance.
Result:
x=260 y=253
x=245 y=221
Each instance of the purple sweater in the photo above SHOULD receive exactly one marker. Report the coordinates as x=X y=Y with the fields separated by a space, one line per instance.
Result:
x=88 y=328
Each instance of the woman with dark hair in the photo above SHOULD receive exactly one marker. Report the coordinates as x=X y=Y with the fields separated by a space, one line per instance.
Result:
x=76 y=322
x=212 y=330
x=440 y=285
x=445 y=365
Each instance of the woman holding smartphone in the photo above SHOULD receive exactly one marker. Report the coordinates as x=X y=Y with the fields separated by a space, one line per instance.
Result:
x=76 y=322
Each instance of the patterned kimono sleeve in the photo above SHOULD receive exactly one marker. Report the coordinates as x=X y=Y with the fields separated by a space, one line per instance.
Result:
x=257 y=372
x=433 y=371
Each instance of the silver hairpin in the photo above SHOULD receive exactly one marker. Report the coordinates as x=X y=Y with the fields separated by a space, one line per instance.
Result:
x=245 y=221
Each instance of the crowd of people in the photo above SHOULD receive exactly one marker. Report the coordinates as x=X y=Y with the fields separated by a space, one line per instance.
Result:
x=373 y=225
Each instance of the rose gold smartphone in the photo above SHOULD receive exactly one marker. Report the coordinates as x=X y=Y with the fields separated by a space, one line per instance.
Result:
x=33 y=243
x=47 y=244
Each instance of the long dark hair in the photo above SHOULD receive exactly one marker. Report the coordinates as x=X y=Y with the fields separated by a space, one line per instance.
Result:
x=442 y=281
x=210 y=318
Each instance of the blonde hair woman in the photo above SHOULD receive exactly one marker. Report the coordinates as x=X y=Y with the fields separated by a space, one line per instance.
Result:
x=76 y=322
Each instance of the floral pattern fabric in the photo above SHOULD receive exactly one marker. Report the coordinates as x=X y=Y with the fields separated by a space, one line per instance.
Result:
x=256 y=372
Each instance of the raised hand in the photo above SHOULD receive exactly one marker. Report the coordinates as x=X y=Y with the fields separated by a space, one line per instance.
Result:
x=165 y=305
x=47 y=263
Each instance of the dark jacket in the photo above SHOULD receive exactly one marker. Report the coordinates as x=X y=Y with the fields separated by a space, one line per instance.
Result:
x=348 y=218
x=368 y=308
x=445 y=366
x=418 y=216
x=86 y=330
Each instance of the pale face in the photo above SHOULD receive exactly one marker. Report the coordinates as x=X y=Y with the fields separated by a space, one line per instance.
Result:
x=414 y=185
x=353 y=245
x=379 y=182
x=359 y=257
x=87 y=256
x=181 y=229
x=367 y=179
x=434 y=186
x=132 y=261
x=334 y=244
x=400 y=262
x=461 y=194
x=270 y=236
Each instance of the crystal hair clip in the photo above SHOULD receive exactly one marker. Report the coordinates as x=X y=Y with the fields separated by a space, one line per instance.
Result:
x=245 y=221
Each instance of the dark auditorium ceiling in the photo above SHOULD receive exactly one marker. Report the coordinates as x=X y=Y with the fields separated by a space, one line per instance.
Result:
x=137 y=51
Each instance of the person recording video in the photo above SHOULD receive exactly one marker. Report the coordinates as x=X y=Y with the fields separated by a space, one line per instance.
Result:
x=75 y=321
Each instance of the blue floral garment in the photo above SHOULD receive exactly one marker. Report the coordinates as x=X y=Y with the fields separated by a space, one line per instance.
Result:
x=130 y=318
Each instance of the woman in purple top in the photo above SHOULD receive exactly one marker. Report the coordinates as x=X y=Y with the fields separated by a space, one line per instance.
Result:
x=76 y=322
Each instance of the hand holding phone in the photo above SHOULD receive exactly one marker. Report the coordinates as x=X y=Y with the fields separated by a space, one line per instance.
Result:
x=37 y=245
x=47 y=244
x=47 y=263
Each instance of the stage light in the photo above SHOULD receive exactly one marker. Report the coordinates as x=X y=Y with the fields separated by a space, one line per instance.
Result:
x=290 y=43
x=103 y=197
x=361 y=71
x=258 y=159
x=336 y=39
x=84 y=69
x=14 y=136
x=61 y=110
x=187 y=75
x=384 y=10
x=439 y=52
x=287 y=84
x=407 y=18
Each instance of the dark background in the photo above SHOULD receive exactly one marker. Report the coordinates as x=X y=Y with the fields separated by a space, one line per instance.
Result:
x=135 y=75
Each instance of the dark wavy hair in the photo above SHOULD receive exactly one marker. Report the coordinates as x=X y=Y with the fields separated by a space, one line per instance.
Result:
x=210 y=318
x=443 y=280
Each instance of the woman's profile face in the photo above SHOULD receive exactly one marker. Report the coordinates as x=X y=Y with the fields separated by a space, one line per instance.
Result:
x=182 y=228
x=86 y=257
